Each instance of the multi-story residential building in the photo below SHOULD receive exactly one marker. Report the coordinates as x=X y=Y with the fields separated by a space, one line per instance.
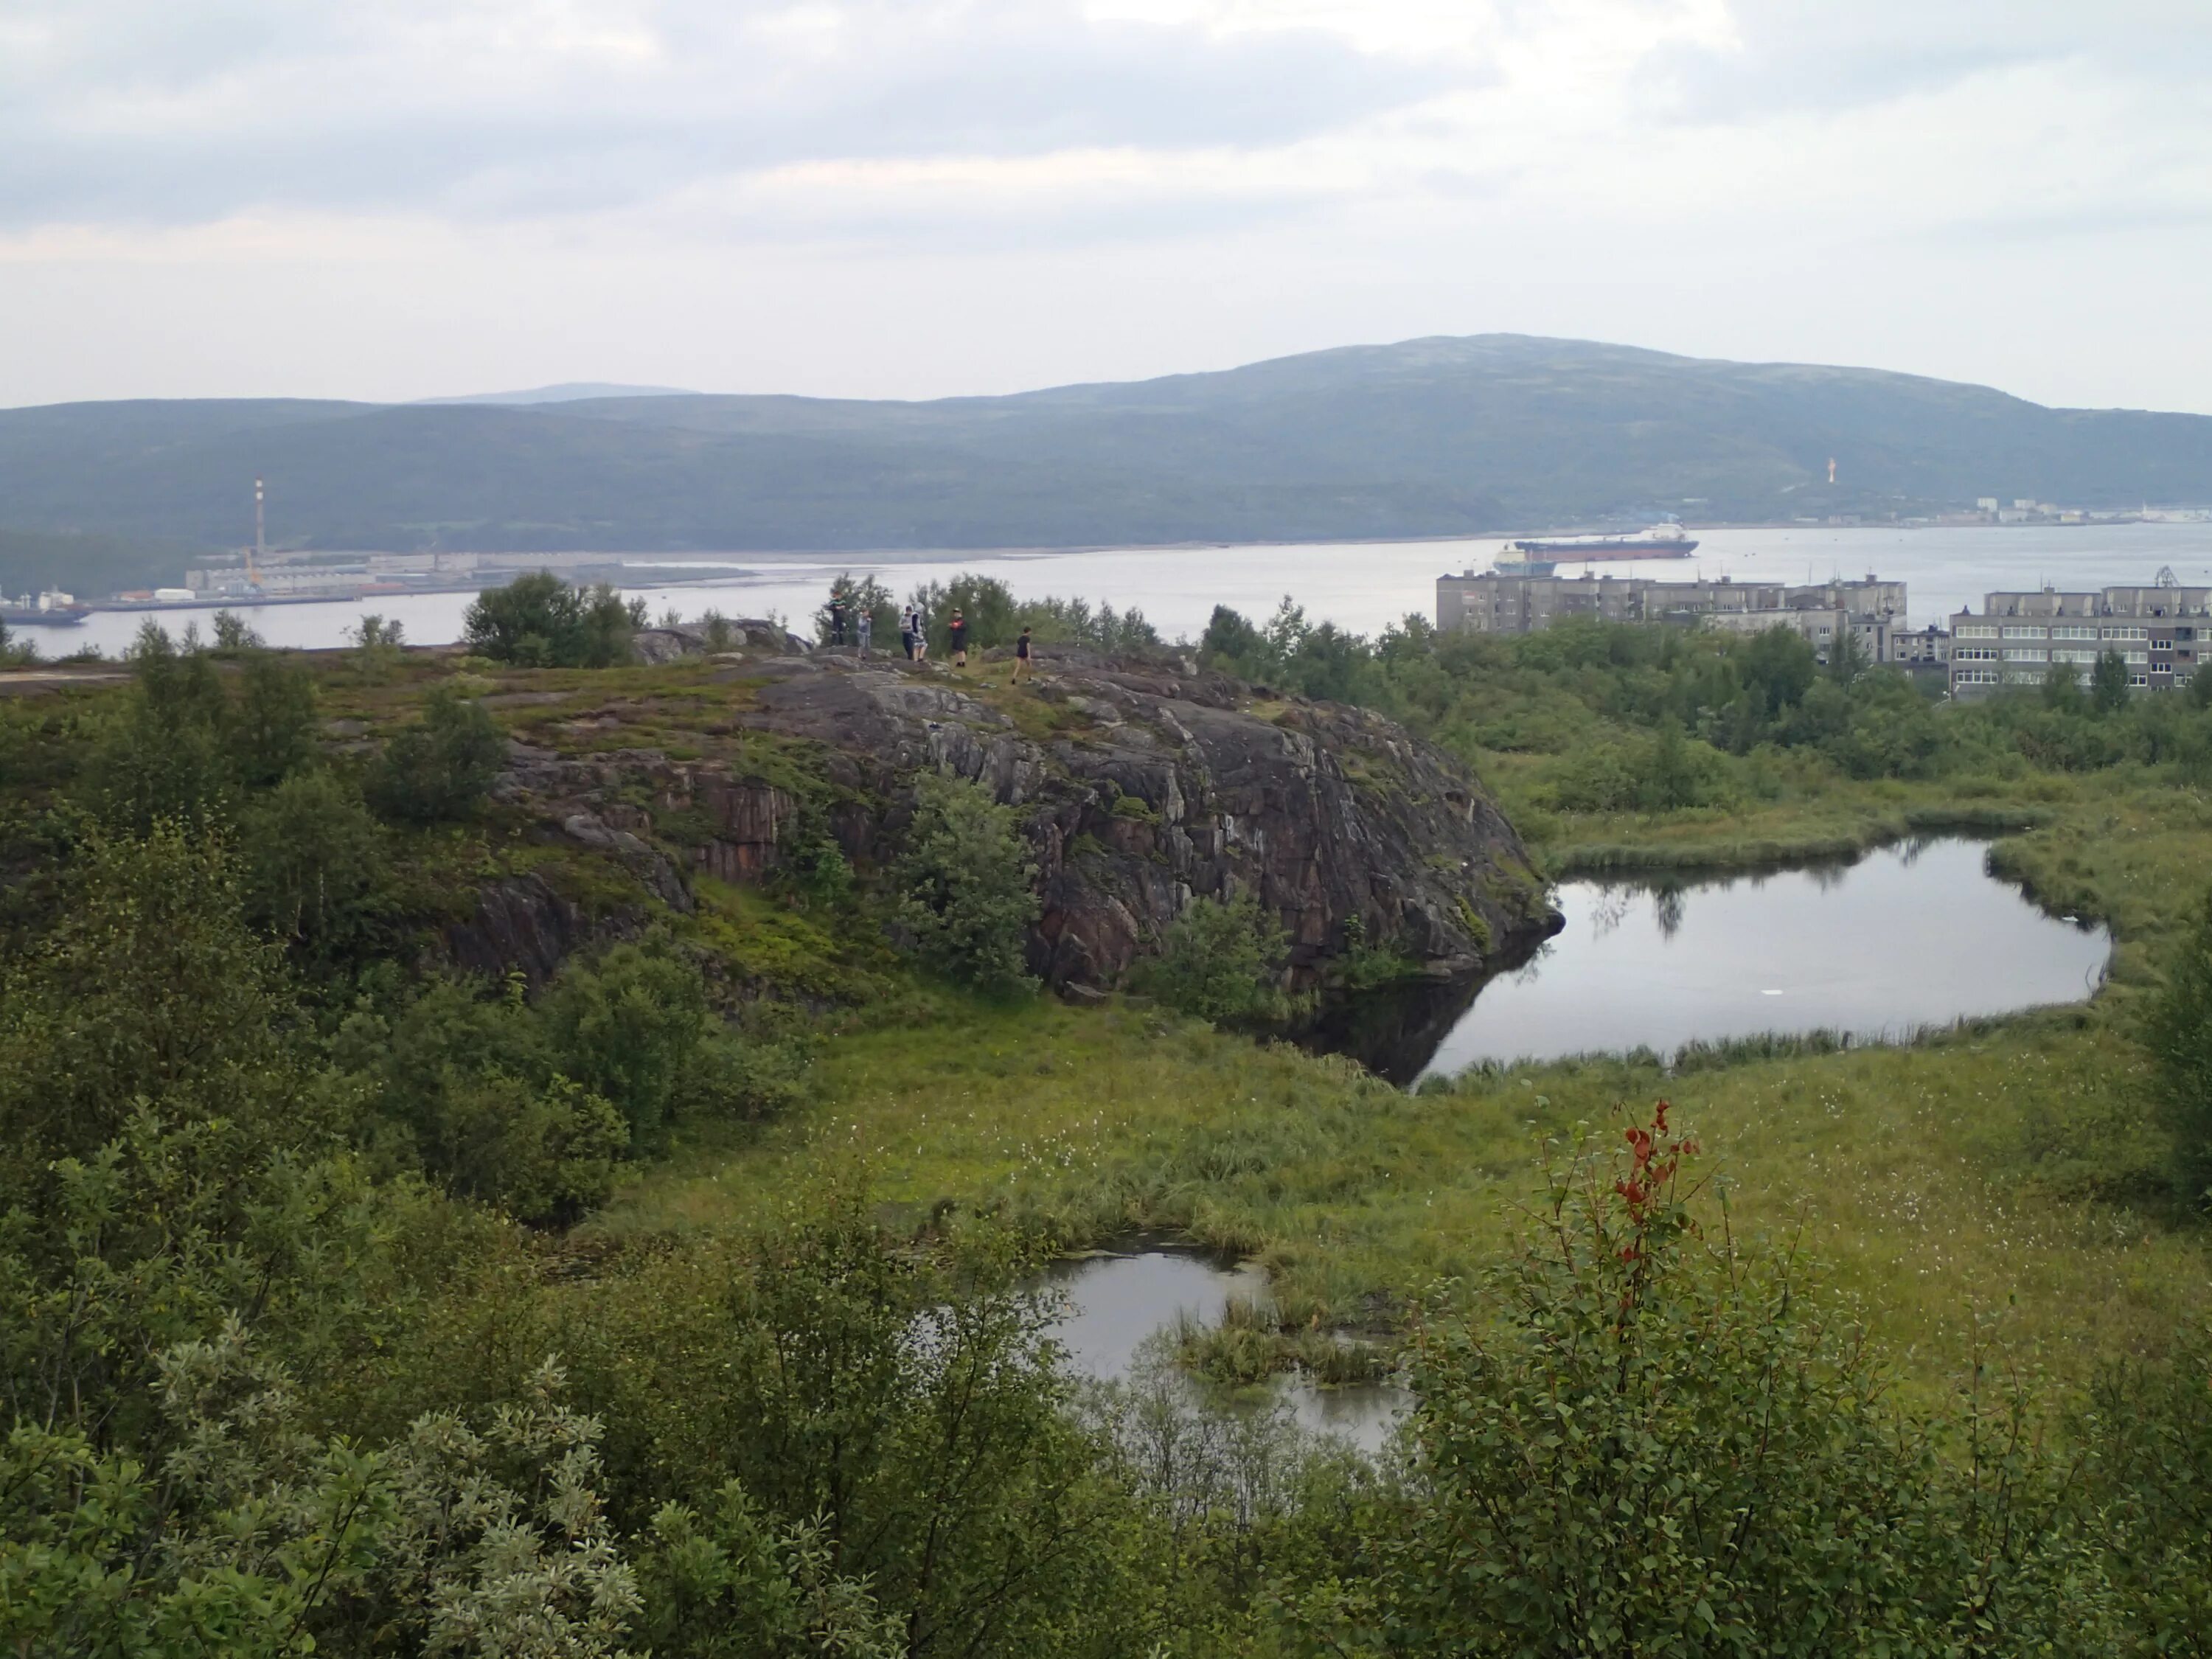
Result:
x=1920 y=647
x=1490 y=602
x=2158 y=631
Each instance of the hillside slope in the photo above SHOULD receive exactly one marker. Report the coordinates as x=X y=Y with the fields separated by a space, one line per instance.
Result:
x=1427 y=437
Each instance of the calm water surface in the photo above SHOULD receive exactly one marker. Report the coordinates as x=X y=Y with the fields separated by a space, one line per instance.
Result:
x=1117 y=1302
x=1362 y=586
x=1915 y=935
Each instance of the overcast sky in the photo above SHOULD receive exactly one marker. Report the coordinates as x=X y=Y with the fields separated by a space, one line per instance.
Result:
x=404 y=199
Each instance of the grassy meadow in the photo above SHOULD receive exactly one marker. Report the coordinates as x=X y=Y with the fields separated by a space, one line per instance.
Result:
x=2002 y=1182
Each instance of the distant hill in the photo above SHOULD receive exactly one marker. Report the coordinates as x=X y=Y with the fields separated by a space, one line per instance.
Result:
x=569 y=392
x=1428 y=437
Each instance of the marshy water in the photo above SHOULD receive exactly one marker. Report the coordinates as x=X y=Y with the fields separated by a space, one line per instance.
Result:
x=1913 y=936
x=1920 y=934
x=1120 y=1304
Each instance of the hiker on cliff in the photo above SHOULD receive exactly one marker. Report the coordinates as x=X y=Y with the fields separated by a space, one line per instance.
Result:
x=864 y=629
x=1022 y=663
x=958 y=628
x=920 y=636
x=906 y=631
x=836 y=620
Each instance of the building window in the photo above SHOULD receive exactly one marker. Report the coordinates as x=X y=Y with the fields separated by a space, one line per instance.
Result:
x=2028 y=633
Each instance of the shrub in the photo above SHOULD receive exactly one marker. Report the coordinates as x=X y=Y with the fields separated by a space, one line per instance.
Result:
x=272 y=728
x=545 y=1154
x=311 y=862
x=380 y=644
x=2179 y=1034
x=440 y=768
x=539 y=621
x=1222 y=961
x=628 y=1026
x=2108 y=682
x=1652 y=1441
x=233 y=638
x=2148 y=1473
x=963 y=884
x=987 y=604
x=858 y=594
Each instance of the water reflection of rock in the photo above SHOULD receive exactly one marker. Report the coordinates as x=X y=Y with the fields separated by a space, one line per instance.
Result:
x=1914 y=936
x=1393 y=1028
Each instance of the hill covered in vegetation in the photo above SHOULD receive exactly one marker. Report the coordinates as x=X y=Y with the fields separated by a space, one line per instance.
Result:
x=1427 y=438
x=503 y=1154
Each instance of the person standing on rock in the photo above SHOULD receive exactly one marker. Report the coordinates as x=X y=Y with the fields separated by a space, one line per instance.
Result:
x=836 y=620
x=1022 y=663
x=906 y=631
x=958 y=628
x=864 y=629
x=920 y=634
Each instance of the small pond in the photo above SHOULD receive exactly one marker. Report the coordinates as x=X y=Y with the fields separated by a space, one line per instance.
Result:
x=1116 y=1303
x=1913 y=936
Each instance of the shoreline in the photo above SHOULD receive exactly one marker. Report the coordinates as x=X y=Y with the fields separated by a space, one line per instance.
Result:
x=929 y=554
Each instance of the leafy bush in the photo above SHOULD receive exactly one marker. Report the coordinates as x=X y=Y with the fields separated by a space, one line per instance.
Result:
x=963 y=884
x=858 y=594
x=2148 y=1440
x=441 y=767
x=233 y=637
x=988 y=604
x=539 y=621
x=1662 y=1442
x=628 y=1026
x=272 y=726
x=312 y=863
x=15 y=652
x=545 y=1154
x=379 y=646
x=2179 y=1034
x=1222 y=961
x=165 y=754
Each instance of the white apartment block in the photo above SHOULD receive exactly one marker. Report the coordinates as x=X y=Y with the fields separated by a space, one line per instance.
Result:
x=2158 y=631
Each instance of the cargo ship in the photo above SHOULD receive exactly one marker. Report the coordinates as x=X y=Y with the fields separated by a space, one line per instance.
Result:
x=1660 y=541
x=1510 y=563
x=52 y=609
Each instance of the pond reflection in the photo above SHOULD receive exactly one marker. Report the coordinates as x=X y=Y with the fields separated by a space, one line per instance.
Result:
x=1913 y=936
x=1121 y=1308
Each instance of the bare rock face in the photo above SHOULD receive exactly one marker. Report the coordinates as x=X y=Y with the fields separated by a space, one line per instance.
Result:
x=1145 y=787
x=1142 y=788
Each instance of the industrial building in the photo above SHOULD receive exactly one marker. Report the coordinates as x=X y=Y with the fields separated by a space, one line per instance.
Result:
x=2157 y=631
x=1491 y=602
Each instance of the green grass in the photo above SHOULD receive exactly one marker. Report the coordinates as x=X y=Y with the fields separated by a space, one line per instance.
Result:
x=1993 y=1174
x=2010 y=1169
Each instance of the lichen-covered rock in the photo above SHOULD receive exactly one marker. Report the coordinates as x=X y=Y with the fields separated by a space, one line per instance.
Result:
x=1142 y=786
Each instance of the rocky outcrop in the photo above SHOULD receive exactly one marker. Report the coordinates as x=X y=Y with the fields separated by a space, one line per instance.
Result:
x=1142 y=788
x=737 y=633
x=521 y=926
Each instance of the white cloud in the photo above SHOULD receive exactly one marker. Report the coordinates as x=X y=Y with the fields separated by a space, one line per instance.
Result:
x=947 y=194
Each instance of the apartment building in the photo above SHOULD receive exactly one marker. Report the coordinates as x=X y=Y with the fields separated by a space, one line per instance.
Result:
x=1491 y=602
x=2016 y=638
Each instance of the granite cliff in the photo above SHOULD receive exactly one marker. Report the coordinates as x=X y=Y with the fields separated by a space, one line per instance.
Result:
x=1142 y=784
